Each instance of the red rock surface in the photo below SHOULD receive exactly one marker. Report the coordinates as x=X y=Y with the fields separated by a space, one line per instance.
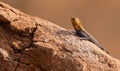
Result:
x=32 y=44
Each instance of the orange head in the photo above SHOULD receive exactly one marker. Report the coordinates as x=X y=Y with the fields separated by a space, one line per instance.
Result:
x=77 y=24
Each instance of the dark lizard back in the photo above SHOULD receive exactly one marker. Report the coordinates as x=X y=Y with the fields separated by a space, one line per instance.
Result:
x=87 y=36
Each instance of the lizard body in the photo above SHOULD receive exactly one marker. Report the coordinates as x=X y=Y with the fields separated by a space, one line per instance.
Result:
x=80 y=31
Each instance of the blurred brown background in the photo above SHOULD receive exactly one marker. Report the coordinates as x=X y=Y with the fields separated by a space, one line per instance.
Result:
x=100 y=17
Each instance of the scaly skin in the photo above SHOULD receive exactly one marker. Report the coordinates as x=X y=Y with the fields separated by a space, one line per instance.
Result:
x=80 y=31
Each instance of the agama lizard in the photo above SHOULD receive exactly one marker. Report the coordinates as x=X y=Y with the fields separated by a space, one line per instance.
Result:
x=80 y=31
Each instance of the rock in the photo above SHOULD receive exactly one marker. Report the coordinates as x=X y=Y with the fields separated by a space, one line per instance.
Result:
x=30 y=43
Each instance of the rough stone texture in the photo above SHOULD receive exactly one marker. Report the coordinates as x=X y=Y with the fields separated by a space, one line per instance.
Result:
x=29 y=43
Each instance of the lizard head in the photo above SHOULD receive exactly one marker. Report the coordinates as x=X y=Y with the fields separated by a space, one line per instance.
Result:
x=77 y=24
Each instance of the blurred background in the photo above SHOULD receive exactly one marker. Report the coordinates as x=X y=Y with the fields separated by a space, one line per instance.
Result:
x=101 y=18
